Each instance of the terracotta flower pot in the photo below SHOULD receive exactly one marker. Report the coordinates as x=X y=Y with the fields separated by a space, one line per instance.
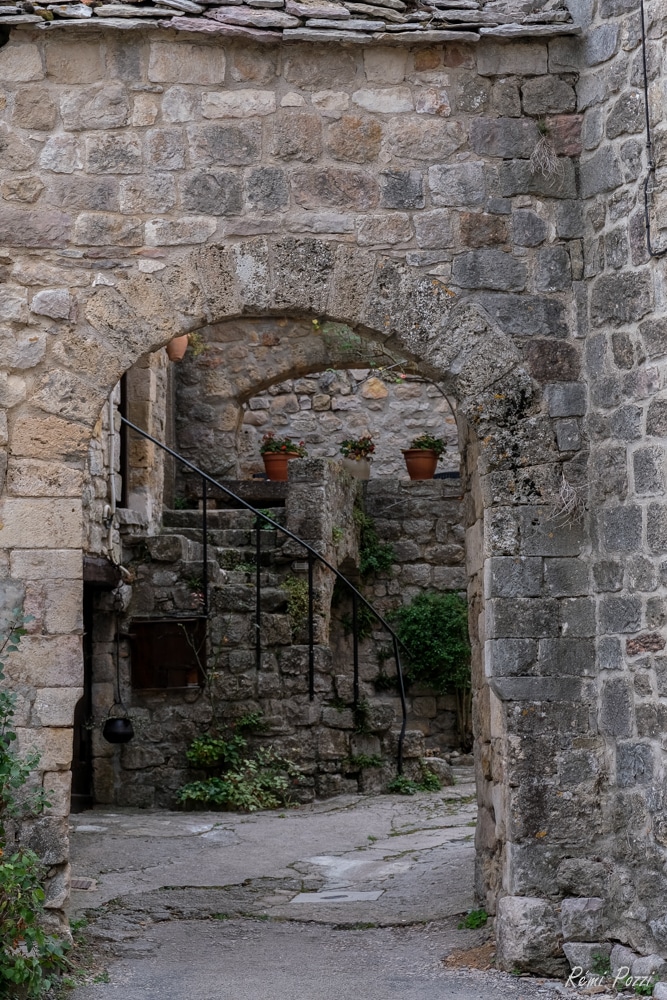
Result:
x=275 y=463
x=359 y=468
x=177 y=347
x=421 y=462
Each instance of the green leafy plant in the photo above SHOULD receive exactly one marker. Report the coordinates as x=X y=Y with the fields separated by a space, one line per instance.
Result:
x=362 y=447
x=601 y=964
x=179 y=503
x=30 y=958
x=264 y=525
x=337 y=534
x=374 y=556
x=426 y=442
x=196 y=344
x=247 y=779
x=434 y=630
x=644 y=989
x=473 y=920
x=297 y=602
x=271 y=444
x=383 y=682
x=400 y=785
x=361 y=760
x=362 y=717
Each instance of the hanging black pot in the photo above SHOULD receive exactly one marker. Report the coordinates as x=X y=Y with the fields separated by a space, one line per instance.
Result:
x=118 y=730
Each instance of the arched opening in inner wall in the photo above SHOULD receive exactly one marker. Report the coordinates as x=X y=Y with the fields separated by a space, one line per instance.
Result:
x=395 y=540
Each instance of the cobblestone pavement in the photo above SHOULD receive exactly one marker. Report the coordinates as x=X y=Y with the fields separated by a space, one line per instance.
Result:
x=352 y=897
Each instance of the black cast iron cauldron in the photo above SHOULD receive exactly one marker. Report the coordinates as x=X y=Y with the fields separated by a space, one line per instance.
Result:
x=118 y=730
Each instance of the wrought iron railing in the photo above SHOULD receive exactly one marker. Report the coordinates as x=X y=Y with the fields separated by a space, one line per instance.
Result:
x=313 y=556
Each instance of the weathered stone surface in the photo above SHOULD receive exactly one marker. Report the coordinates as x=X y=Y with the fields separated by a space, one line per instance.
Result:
x=528 y=935
x=517 y=177
x=20 y=63
x=460 y=185
x=229 y=144
x=22 y=227
x=620 y=299
x=100 y=107
x=195 y=229
x=238 y=104
x=334 y=188
x=212 y=192
x=354 y=138
x=583 y=919
x=492 y=269
x=505 y=137
x=425 y=139
x=586 y=957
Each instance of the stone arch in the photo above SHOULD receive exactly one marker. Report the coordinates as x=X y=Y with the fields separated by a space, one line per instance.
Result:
x=512 y=457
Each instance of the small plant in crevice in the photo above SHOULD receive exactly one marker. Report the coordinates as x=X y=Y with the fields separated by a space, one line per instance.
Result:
x=429 y=782
x=601 y=964
x=384 y=682
x=473 y=920
x=361 y=713
x=246 y=779
x=30 y=958
x=374 y=556
x=358 y=762
x=297 y=603
x=544 y=158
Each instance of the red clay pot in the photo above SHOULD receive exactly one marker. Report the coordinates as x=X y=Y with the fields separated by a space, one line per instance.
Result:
x=421 y=462
x=177 y=347
x=275 y=463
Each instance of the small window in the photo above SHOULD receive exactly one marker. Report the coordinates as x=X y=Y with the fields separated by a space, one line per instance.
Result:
x=168 y=653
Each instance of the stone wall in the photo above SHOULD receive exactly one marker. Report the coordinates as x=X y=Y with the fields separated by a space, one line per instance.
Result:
x=327 y=409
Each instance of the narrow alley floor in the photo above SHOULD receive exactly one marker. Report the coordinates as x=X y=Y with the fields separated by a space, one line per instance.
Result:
x=353 y=898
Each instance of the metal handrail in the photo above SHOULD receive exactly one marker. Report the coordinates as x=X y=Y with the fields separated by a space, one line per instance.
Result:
x=312 y=554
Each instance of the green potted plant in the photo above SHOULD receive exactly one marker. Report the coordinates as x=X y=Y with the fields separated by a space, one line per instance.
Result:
x=423 y=455
x=357 y=454
x=276 y=453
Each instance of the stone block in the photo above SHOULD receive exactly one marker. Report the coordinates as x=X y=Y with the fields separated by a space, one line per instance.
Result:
x=227 y=144
x=48 y=837
x=39 y=564
x=517 y=59
x=34 y=109
x=384 y=65
x=566 y=399
x=180 y=62
x=107 y=229
x=177 y=232
x=517 y=576
x=113 y=154
x=20 y=63
x=401 y=189
x=526 y=315
x=654 y=966
x=528 y=935
x=601 y=44
x=566 y=577
x=40 y=523
x=54 y=746
x=266 y=189
x=508 y=138
x=585 y=957
x=621 y=957
x=388 y=101
x=489 y=268
x=482 y=229
x=582 y=919
x=104 y=106
x=599 y=173
x=634 y=764
x=649 y=470
x=626 y=115
x=335 y=187
x=55 y=706
x=238 y=104
x=165 y=148
x=53 y=302
x=423 y=140
x=517 y=177
x=460 y=185
x=510 y=657
x=434 y=229
x=57 y=787
x=382 y=229
x=621 y=298
x=547 y=95
x=298 y=136
x=441 y=769
x=354 y=138
x=572 y=657
x=528 y=229
x=553 y=272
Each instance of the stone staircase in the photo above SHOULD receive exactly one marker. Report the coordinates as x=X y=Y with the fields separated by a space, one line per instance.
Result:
x=324 y=734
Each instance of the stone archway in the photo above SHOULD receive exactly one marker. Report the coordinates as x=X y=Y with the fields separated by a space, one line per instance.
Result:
x=513 y=470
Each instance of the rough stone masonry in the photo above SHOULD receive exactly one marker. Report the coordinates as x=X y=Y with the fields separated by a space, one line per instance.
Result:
x=156 y=180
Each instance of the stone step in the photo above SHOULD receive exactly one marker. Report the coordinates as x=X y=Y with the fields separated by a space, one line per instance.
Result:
x=241 y=597
x=231 y=537
x=218 y=519
x=173 y=548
